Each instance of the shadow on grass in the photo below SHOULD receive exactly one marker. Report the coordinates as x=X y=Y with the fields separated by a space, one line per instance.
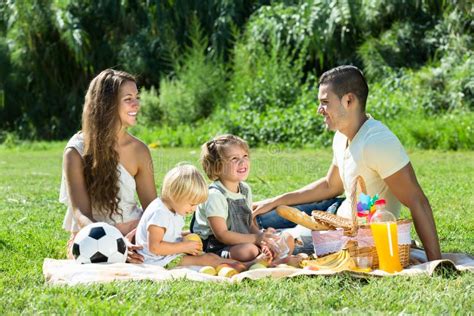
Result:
x=446 y=270
x=5 y=246
x=343 y=280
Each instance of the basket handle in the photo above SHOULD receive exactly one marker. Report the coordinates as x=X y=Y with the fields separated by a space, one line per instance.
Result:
x=358 y=181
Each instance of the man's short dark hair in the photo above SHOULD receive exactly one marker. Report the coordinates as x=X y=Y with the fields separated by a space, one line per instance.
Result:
x=345 y=79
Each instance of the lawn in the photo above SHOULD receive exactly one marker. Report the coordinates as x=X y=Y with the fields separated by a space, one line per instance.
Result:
x=30 y=230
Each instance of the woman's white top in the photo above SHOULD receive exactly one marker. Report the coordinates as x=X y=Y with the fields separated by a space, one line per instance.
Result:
x=127 y=187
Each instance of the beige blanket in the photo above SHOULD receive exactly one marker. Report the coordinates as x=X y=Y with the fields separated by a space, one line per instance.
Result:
x=69 y=272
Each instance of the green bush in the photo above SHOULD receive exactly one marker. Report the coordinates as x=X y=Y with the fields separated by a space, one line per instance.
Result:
x=270 y=99
x=150 y=114
x=402 y=46
x=296 y=125
x=250 y=58
x=9 y=139
x=272 y=96
x=443 y=87
x=183 y=135
x=266 y=77
x=194 y=90
x=328 y=29
x=448 y=132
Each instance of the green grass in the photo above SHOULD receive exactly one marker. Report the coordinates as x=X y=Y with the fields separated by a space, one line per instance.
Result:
x=30 y=230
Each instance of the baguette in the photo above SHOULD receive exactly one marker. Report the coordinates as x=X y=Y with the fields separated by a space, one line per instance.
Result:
x=301 y=218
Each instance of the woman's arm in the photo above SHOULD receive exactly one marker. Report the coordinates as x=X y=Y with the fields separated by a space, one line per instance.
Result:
x=144 y=178
x=73 y=167
x=163 y=248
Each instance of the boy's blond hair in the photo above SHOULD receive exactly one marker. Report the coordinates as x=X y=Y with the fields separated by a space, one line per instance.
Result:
x=213 y=153
x=184 y=182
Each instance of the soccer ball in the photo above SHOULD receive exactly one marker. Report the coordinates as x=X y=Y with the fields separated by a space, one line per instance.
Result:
x=99 y=242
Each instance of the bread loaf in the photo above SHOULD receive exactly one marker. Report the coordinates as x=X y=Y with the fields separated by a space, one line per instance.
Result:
x=301 y=218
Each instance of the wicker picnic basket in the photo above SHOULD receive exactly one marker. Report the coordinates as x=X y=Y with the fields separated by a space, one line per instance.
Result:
x=354 y=233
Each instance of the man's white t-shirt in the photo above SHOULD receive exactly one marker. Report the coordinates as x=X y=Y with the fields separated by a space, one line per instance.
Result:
x=375 y=153
x=159 y=215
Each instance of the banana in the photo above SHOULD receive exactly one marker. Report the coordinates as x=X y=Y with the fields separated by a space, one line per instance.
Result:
x=343 y=263
x=329 y=259
x=346 y=264
x=351 y=265
x=323 y=262
x=338 y=261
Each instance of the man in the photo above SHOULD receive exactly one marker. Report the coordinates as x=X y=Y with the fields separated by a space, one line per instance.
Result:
x=361 y=146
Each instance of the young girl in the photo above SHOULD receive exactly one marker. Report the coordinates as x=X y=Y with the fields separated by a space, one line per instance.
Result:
x=224 y=222
x=160 y=228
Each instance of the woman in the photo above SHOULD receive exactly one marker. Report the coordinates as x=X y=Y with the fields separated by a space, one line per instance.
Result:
x=103 y=165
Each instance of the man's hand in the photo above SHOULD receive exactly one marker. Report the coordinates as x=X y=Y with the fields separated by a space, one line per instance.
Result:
x=133 y=256
x=262 y=207
x=322 y=189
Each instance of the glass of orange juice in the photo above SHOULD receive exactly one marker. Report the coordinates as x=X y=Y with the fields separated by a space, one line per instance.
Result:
x=384 y=230
x=386 y=243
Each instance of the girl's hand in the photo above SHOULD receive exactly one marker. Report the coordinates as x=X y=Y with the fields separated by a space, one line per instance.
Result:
x=270 y=230
x=267 y=253
x=133 y=256
x=265 y=238
x=192 y=248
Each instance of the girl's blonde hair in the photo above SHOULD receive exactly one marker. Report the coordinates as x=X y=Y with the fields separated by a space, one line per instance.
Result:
x=213 y=153
x=184 y=182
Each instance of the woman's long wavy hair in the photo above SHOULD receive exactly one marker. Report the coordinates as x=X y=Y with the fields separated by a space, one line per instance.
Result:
x=100 y=126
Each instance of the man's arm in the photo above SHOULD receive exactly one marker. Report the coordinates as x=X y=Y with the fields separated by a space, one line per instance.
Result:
x=405 y=187
x=324 y=188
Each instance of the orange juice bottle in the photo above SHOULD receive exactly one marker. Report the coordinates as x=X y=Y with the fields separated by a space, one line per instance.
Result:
x=384 y=230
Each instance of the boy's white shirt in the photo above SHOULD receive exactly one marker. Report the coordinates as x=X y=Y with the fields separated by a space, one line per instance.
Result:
x=216 y=205
x=158 y=214
x=375 y=153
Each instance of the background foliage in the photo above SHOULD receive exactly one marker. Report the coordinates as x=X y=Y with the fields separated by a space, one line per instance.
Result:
x=245 y=67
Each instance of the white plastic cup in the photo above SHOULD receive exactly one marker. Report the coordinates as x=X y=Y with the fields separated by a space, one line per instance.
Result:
x=364 y=262
x=280 y=247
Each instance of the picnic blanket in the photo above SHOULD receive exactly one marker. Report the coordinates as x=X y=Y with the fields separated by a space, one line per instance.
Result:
x=68 y=272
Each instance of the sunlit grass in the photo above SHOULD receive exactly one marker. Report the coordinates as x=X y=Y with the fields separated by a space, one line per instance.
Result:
x=30 y=230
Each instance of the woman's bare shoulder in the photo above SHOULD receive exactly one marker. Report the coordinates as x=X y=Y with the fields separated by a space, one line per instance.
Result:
x=72 y=161
x=139 y=147
x=71 y=154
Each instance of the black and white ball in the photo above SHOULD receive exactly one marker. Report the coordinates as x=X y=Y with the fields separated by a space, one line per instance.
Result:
x=99 y=242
